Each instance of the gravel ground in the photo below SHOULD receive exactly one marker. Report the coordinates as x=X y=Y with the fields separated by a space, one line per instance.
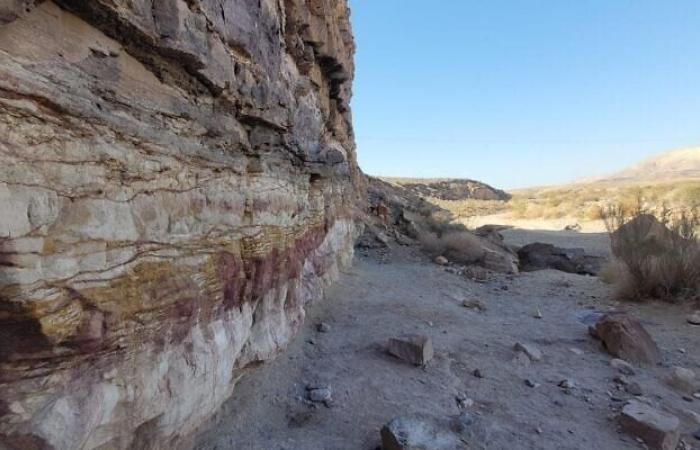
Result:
x=380 y=298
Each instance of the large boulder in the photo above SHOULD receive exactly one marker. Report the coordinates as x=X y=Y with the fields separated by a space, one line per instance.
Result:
x=177 y=180
x=540 y=256
x=644 y=234
x=626 y=338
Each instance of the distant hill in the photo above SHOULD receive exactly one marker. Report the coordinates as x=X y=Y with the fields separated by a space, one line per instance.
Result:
x=677 y=164
x=450 y=188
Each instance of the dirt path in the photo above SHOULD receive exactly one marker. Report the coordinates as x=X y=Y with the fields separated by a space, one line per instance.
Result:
x=377 y=300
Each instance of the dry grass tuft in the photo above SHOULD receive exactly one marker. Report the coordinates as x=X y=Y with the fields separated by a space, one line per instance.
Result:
x=451 y=240
x=657 y=256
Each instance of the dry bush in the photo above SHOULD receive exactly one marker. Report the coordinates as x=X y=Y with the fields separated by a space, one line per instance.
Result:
x=458 y=246
x=657 y=255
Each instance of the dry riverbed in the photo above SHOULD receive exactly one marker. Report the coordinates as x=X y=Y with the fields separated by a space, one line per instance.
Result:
x=517 y=404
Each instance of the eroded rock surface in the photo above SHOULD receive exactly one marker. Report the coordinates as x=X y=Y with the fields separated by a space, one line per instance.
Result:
x=177 y=180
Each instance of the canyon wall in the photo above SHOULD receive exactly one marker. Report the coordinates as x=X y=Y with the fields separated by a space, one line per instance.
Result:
x=177 y=180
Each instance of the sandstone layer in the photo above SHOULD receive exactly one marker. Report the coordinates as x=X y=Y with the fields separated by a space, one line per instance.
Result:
x=177 y=180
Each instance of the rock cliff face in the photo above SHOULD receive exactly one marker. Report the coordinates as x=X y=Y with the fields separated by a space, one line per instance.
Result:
x=177 y=180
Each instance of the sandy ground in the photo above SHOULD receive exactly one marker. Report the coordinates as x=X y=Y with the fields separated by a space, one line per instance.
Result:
x=587 y=226
x=405 y=293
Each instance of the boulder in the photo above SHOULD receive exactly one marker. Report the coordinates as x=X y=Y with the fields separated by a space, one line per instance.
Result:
x=626 y=338
x=414 y=349
x=658 y=430
x=540 y=256
x=646 y=233
x=409 y=433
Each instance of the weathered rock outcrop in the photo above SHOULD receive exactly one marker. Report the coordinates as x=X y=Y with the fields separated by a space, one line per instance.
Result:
x=177 y=180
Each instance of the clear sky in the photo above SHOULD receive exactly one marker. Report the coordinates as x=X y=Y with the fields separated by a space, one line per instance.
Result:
x=523 y=92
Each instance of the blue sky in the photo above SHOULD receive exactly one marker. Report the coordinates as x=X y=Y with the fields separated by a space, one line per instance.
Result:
x=523 y=92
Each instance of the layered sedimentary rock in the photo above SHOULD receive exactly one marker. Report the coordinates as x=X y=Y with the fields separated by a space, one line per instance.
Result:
x=177 y=180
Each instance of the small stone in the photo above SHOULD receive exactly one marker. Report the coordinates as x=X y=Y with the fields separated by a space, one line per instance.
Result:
x=696 y=435
x=321 y=395
x=658 y=430
x=408 y=433
x=323 y=327
x=567 y=384
x=538 y=430
x=576 y=351
x=531 y=351
x=463 y=401
x=682 y=379
x=414 y=349
x=472 y=303
x=688 y=398
x=697 y=395
x=521 y=359
x=441 y=260
x=622 y=366
x=477 y=373
x=694 y=319
x=621 y=379
x=532 y=384
x=634 y=389
x=537 y=314
x=695 y=417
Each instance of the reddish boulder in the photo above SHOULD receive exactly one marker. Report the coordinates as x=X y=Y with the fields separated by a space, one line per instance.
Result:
x=626 y=338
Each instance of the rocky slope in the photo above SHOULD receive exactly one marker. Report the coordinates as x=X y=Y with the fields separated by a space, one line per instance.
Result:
x=177 y=182
x=451 y=189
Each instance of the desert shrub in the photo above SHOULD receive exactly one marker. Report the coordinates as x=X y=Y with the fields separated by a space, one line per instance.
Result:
x=458 y=246
x=657 y=255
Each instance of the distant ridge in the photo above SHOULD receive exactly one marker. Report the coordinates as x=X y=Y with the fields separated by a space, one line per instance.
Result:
x=449 y=188
x=676 y=164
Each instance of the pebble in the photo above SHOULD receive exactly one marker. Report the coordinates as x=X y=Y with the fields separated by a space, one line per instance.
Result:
x=696 y=435
x=532 y=384
x=697 y=395
x=441 y=260
x=622 y=366
x=463 y=401
x=320 y=395
x=634 y=389
x=694 y=319
x=477 y=373
x=472 y=303
x=567 y=384
x=538 y=314
x=531 y=351
x=621 y=379
x=576 y=351
x=323 y=327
